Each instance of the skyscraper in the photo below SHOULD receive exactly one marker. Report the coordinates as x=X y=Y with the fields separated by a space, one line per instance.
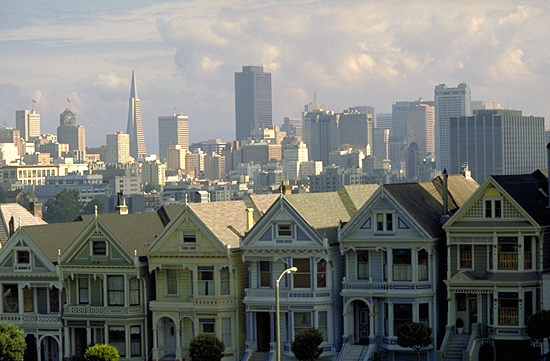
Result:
x=71 y=133
x=252 y=100
x=449 y=102
x=173 y=129
x=135 y=127
x=118 y=148
x=28 y=122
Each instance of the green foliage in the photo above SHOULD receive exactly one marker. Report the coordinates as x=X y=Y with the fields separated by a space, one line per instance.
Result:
x=12 y=342
x=305 y=345
x=101 y=352
x=414 y=335
x=65 y=207
x=206 y=347
x=89 y=208
x=148 y=188
x=538 y=325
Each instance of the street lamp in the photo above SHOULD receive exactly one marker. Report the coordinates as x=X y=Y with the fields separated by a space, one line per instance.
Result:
x=286 y=271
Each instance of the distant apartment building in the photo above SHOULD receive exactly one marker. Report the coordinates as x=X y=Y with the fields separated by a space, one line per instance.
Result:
x=195 y=163
x=36 y=174
x=28 y=123
x=11 y=136
x=384 y=121
x=347 y=157
x=118 y=148
x=261 y=153
x=381 y=143
x=101 y=151
x=413 y=121
x=71 y=133
x=497 y=142
x=175 y=157
x=292 y=125
x=214 y=166
x=154 y=173
x=173 y=130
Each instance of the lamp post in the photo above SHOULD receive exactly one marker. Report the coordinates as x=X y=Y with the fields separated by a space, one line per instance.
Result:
x=278 y=320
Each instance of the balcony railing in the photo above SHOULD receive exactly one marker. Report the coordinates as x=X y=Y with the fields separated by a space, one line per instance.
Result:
x=507 y=261
x=26 y=319
x=383 y=286
x=285 y=294
x=86 y=310
x=508 y=316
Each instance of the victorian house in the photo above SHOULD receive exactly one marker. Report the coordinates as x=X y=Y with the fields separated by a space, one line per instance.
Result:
x=297 y=231
x=497 y=249
x=394 y=249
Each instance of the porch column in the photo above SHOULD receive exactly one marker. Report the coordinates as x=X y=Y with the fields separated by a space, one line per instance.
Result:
x=371 y=326
x=178 y=342
x=155 y=343
x=273 y=331
x=450 y=307
x=89 y=334
x=389 y=264
x=20 y=299
x=38 y=349
x=390 y=319
x=66 y=339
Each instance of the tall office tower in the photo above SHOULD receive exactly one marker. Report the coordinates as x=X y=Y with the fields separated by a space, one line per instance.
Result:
x=292 y=126
x=214 y=166
x=420 y=126
x=173 y=129
x=381 y=143
x=252 y=100
x=449 y=102
x=28 y=122
x=355 y=128
x=496 y=142
x=320 y=133
x=413 y=160
x=135 y=126
x=70 y=133
x=118 y=148
x=384 y=121
x=175 y=157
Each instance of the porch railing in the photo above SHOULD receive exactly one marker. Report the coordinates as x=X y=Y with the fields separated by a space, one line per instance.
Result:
x=508 y=316
x=15 y=318
x=507 y=260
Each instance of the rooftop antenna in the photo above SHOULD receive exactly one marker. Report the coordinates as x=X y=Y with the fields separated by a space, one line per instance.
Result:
x=314 y=96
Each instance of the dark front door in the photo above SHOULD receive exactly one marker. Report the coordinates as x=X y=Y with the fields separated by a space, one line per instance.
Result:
x=362 y=323
x=80 y=343
x=263 y=327
x=472 y=310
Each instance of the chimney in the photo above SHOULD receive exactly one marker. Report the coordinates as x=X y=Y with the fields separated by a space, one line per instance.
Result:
x=445 y=217
x=35 y=208
x=285 y=188
x=466 y=171
x=249 y=218
x=121 y=206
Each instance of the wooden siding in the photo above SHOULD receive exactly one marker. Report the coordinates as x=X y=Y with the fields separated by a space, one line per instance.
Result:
x=376 y=264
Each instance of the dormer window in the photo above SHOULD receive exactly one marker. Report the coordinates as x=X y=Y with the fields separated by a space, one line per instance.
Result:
x=493 y=204
x=384 y=222
x=23 y=257
x=189 y=237
x=284 y=230
x=99 y=248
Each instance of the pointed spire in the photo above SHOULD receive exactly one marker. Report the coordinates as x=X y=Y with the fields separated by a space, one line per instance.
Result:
x=133 y=90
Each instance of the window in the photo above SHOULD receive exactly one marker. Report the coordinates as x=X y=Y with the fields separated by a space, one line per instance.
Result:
x=206 y=280
x=490 y=256
x=402 y=313
x=100 y=248
x=384 y=222
x=491 y=309
x=171 y=282
x=302 y=277
x=363 y=265
x=27 y=300
x=528 y=311
x=322 y=274
x=135 y=340
x=322 y=323
x=422 y=265
x=508 y=253
x=134 y=291
x=284 y=230
x=117 y=338
x=302 y=320
x=508 y=312
x=189 y=237
x=54 y=300
x=11 y=299
x=224 y=281
x=493 y=204
x=207 y=325
x=115 y=285
x=386 y=316
x=424 y=313
x=226 y=332
x=527 y=252
x=465 y=256
x=402 y=265
x=23 y=257
x=83 y=291
x=191 y=284
x=265 y=274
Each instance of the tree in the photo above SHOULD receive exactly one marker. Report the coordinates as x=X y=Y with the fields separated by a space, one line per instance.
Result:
x=89 y=208
x=12 y=342
x=65 y=207
x=206 y=347
x=305 y=345
x=101 y=352
x=414 y=335
x=538 y=325
x=148 y=188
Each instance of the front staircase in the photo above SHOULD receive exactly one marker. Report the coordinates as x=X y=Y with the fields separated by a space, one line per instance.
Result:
x=258 y=356
x=458 y=344
x=355 y=353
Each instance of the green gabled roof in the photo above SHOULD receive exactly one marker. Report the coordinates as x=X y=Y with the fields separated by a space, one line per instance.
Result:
x=353 y=197
x=51 y=237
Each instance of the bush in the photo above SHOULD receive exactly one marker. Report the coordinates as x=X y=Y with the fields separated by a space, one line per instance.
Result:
x=12 y=342
x=101 y=352
x=414 y=335
x=206 y=347
x=538 y=325
x=305 y=345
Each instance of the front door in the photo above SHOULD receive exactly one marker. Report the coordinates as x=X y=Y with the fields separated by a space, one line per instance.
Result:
x=361 y=323
x=472 y=310
x=263 y=330
x=80 y=343
x=50 y=351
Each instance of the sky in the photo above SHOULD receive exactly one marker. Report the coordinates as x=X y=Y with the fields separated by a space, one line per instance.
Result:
x=185 y=54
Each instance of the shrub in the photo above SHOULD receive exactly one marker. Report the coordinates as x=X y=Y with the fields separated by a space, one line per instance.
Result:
x=206 y=347
x=101 y=352
x=414 y=335
x=12 y=342
x=305 y=345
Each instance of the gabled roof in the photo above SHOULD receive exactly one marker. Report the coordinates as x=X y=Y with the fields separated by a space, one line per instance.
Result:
x=51 y=237
x=20 y=215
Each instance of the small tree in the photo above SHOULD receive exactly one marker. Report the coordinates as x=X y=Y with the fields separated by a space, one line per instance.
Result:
x=305 y=345
x=206 y=347
x=65 y=207
x=12 y=342
x=101 y=352
x=538 y=325
x=414 y=335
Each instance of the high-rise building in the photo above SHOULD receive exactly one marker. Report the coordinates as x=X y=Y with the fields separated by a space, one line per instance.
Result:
x=384 y=121
x=135 y=126
x=175 y=157
x=449 y=102
x=214 y=166
x=355 y=128
x=292 y=126
x=70 y=133
x=173 y=129
x=118 y=148
x=497 y=142
x=253 y=107
x=320 y=133
x=381 y=143
x=414 y=122
x=154 y=173
x=28 y=122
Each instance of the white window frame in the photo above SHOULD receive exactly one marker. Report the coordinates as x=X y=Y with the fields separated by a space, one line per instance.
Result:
x=385 y=222
x=459 y=266
x=289 y=230
x=166 y=287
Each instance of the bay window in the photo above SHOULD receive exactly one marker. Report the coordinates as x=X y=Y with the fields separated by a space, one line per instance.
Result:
x=302 y=277
x=206 y=280
x=402 y=265
x=115 y=286
x=422 y=265
x=402 y=313
x=322 y=274
x=362 y=265
x=508 y=311
x=465 y=251
x=265 y=274
x=224 y=282
x=302 y=320
x=507 y=253
x=117 y=338
x=11 y=298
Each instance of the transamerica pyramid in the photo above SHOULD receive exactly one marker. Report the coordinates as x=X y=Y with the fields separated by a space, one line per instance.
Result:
x=135 y=127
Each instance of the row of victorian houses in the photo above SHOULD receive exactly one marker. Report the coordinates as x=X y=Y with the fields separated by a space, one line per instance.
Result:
x=446 y=253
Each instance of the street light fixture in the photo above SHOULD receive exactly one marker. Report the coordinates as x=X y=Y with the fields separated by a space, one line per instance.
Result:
x=278 y=320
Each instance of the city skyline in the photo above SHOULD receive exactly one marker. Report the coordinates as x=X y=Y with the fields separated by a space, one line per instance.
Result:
x=499 y=50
